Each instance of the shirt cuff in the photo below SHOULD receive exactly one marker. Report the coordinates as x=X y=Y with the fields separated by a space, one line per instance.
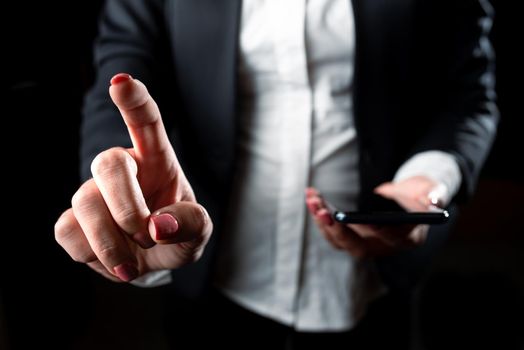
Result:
x=439 y=166
x=153 y=279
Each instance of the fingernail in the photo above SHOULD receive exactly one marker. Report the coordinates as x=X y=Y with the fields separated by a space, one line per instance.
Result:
x=164 y=226
x=126 y=272
x=120 y=78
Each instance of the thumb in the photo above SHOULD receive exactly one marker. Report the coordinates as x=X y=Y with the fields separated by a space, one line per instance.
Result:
x=182 y=222
x=386 y=189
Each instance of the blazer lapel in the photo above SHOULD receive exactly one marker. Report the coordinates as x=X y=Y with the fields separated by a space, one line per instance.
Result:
x=205 y=39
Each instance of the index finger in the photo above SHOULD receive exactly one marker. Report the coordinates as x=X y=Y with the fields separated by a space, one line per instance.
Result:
x=143 y=120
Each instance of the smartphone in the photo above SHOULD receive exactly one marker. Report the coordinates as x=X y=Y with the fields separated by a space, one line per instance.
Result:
x=381 y=211
x=392 y=217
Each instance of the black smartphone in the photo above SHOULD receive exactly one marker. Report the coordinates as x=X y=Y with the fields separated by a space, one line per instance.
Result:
x=381 y=211
x=392 y=217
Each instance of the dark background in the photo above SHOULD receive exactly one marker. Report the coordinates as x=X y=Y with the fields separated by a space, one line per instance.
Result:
x=471 y=297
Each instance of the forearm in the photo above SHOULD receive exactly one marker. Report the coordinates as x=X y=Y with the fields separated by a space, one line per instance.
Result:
x=466 y=124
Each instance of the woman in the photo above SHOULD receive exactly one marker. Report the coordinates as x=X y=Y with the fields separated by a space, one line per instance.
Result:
x=269 y=105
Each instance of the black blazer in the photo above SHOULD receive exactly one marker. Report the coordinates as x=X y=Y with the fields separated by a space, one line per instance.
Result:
x=424 y=80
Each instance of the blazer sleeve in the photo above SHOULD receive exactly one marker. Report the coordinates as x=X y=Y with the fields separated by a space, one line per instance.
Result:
x=466 y=124
x=130 y=39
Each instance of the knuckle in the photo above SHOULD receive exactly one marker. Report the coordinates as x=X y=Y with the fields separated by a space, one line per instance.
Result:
x=85 y=195
x=128 y=219
x=112 y=160
x=68 y=236
x=84 y=257
x=64 y=226
x=108 y=252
